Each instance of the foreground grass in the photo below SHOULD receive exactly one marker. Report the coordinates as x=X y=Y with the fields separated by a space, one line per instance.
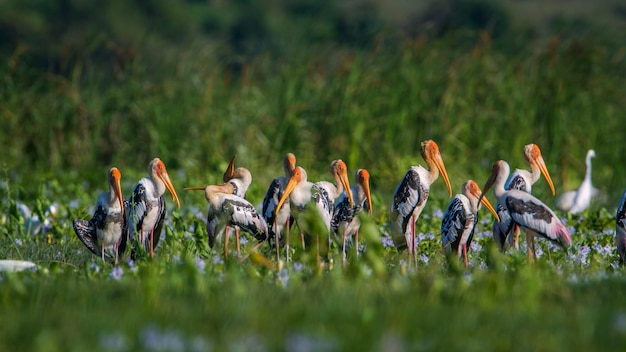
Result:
x=191 y=298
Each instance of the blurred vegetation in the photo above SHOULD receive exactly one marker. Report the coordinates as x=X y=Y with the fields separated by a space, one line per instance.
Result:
x=85 y=85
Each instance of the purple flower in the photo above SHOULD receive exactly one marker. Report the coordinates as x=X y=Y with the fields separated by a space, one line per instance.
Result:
x=116 y=273
x=438 y=213
x=200 y=264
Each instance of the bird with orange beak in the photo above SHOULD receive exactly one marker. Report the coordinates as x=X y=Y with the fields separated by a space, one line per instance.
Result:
x=411 y=195
x=103 y=233
x=146 y=211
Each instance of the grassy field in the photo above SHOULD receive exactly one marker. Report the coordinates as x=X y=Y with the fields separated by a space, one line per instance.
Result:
x=197 y=82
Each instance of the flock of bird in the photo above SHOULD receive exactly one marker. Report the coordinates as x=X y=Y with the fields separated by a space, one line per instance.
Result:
x=291 y=198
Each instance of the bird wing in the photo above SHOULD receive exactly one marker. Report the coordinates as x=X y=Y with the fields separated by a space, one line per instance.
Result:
x=518 y=182
x=244 y=215
x=408 y=195
x=159 y=225
x=453 y=225
x=137 y=209
x=323 y=203
x=530 y=213
x=272 y=197
x=342 y=212
x=504 y=228
x=86 y=232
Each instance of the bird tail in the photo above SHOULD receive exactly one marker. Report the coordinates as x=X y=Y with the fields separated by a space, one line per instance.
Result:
x=563 y=236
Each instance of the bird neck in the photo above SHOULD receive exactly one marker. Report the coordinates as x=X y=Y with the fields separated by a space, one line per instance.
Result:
x=588 y=172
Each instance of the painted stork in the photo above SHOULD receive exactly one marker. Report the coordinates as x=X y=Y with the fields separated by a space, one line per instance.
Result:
x=620 y=229
x=521 y=180
x=102 y=235
x=300 y=193
x=345 y=220
x=278 y=220
x=327 y=193
x=459 y=221
x=240 y=178
x=577 y=201
x=526 y=211
x=228 y=210
x=411 y=195
x=146 y=210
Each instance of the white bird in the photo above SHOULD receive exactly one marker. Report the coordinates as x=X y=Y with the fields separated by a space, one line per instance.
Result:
x=411 y=195
x=146 y=210
x=345 y=222
x=521 y=180
x=620 y=229
x=528 y=212
x=240 y=178
x=103 y=233
x=277 y=221
x=228 y=210
x=459 y=221
x=577 y=201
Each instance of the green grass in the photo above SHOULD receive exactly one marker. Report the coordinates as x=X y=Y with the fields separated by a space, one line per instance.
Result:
x=372 y=82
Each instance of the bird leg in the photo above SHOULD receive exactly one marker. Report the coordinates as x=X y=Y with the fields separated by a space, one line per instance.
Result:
x=152 y=243
x=532 y=241
x=102 y=251
x=465 y=255
x=528 y=246
x=356 y=242
x=237 y=240
x=276 y=235
x=516 y=237
x=226 y=232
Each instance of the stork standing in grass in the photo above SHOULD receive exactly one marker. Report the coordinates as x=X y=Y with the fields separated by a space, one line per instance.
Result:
x=520 y=180
x=104 y=233
x=526 y=211
x=345 y=221
x=228 y=210
x=146 y=210
x=281 y=219
x=459 y=221
x=411 y=195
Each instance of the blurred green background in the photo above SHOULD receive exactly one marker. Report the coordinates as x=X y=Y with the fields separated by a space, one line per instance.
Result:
x=85 y=85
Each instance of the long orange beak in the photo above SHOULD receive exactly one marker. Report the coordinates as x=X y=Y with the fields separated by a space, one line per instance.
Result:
x=116 y=181
x=365 y=183
x=544 y=170
x=230 y=170
x=442 y=170
x=484 y=201
x=194 y=188
x=343 y=178
x=291 y=185
x=168 y=184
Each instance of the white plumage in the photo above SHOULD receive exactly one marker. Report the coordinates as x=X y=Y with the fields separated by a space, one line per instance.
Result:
x=459 y=221
x=103 y=233
x=527 y=211
x=577 y=201
x=520 y=180
x=411 y=195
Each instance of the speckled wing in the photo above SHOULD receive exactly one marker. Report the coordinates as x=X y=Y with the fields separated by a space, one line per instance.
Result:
x=244 y=215
x=408 y=196
x=620 y=228
x=343 y=213
x=272 y=197
x=453 y=225
x=159 y=225
x=519 y=183
x=530 y=213
x=136 y=211
x=322 y=203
